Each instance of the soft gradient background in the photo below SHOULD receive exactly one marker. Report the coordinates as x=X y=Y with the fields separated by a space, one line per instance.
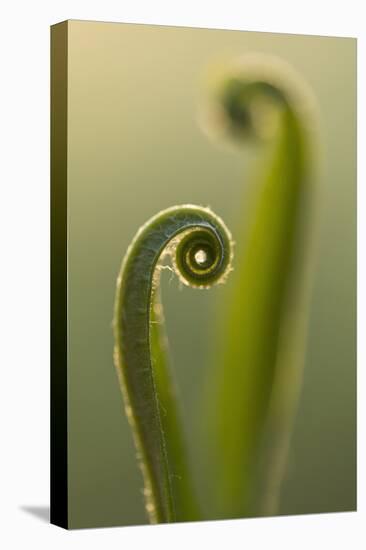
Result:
x=134 y=148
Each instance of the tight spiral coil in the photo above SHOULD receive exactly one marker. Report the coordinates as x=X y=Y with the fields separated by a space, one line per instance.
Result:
x=201 y=249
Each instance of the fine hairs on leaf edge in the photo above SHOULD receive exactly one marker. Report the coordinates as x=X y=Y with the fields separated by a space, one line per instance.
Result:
x=145 y=384
x=172 y=248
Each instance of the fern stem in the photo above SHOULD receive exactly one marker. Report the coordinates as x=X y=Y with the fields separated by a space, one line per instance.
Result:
x=258 y=376
x=201 y=249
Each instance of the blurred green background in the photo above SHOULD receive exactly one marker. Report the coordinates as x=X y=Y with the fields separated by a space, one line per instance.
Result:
x=135 y=147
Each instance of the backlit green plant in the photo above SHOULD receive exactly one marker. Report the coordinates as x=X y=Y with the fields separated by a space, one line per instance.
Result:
x=261 y=333
x=201 y=249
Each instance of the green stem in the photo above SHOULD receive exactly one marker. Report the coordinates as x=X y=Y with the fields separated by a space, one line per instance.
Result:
x=201 y=250
x=258 y=374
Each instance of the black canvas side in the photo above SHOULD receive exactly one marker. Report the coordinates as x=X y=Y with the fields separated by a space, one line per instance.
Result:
x=59 y=483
